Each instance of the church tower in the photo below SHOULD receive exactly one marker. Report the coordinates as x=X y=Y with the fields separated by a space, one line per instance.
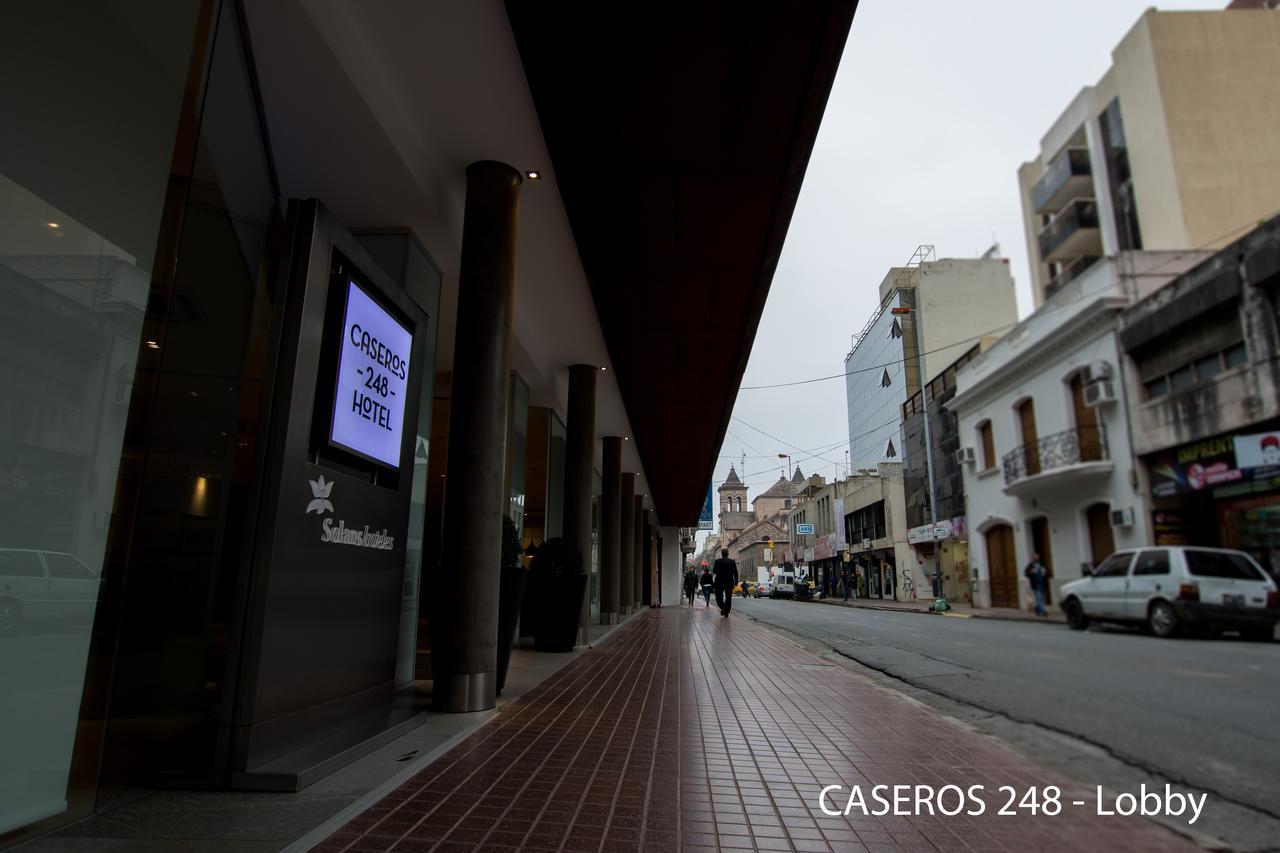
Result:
x=733 y=503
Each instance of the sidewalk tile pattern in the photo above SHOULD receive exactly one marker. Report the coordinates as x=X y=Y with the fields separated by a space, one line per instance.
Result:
x=688 y=731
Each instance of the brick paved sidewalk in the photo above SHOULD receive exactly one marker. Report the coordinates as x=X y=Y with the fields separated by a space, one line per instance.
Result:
x=678 y=734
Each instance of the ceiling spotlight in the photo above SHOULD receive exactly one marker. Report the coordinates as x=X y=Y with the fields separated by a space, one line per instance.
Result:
x=603 y=368
x=152 y=345
x=533 y=175
x=626 y=438
x=54 y=225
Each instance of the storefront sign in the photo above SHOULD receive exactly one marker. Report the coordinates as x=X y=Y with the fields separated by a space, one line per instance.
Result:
x=804 y=529
x=808 y=555
x=373 y=375
x=960 y=527
x=1169 y=528
x=706 y=521
x=824 y=548
x=930 y=532
x=1261 y=450
x=1194 y=467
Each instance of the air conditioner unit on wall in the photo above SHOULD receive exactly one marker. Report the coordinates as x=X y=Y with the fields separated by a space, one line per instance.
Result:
x=965 y=456
x=1122 y=517
x=1096 y=372
x=1100 y=392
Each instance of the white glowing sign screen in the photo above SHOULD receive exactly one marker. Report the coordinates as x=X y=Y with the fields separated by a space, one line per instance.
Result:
x=373 y=377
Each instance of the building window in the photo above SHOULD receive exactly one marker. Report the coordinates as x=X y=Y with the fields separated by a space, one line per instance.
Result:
x=988 y=442
x=1235 y=356
x=1157 y=387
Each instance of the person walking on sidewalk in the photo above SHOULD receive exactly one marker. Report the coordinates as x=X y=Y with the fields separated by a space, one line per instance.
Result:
x=706 y=582
x=1038 y=575
x=690 y=584
x=726 y=577
x=845 y=582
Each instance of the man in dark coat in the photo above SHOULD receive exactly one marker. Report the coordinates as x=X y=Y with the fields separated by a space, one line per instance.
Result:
x=726 y=575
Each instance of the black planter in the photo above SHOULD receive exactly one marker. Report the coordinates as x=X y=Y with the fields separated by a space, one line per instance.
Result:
x=510 y=595
x=560 y=605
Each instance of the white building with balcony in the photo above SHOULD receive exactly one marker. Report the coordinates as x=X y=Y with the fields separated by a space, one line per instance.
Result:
x=1044 y=414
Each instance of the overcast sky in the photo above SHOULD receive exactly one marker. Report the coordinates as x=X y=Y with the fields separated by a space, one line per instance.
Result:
x=935 y=106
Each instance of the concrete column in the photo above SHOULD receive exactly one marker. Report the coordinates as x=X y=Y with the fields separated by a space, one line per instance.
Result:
x=648 y=594
x=672 y=565
x=627 y=545
x=579 y=471
x=610 y=529
x=465 y=659
x=638 y=573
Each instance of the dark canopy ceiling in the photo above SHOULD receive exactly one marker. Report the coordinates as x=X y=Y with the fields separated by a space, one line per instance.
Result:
x=679 y=133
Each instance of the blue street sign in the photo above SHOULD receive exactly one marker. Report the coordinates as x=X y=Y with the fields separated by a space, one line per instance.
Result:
x=804 y=529
x=706 y=521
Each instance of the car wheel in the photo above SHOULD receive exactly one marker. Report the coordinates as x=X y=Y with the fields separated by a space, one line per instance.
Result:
x=1259 y=635
x=10 y=615
x=1075 y=614
x=1162 y=620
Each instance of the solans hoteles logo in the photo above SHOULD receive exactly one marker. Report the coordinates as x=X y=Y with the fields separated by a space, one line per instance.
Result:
x=337 y=531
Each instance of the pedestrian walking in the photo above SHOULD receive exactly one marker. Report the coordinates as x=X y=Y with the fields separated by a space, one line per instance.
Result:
x=845 y=581
x=690 y=584
x=706 y=582
x=1038 y=575
x=726 y=578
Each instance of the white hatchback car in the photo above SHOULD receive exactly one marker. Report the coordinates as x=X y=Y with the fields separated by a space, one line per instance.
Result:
x=1169 y=588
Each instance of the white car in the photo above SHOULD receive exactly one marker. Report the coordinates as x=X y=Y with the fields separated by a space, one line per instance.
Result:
x=1170 y=588
x=762 y=589
x=44 y=586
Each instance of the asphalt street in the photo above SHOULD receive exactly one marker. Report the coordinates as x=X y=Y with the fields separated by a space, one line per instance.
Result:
x=1203 y=712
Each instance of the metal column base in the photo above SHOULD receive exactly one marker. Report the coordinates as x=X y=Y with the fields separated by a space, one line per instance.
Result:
x=464 y=692
x=626 y=610
x=608 y=618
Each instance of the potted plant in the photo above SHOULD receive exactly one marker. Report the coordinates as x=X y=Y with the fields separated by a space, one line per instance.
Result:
x=511 y=584
x=559 y=584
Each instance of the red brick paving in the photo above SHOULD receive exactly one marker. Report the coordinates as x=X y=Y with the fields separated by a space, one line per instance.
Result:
x=675 y=735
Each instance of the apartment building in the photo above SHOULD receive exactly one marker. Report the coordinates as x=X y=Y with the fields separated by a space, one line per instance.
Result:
x=1173 y=148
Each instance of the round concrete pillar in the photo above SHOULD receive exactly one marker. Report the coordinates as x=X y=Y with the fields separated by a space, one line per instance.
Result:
x=610 y=528
x=627 y=545
x=579 y=473
x=465 y=659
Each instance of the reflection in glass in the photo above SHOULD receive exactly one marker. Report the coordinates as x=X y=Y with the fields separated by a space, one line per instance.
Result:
x=69 y=336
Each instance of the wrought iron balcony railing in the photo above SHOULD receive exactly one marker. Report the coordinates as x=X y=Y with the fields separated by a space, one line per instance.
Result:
x=1059 y=450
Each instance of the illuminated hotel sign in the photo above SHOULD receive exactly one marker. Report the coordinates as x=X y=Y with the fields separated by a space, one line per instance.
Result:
x=373 y=373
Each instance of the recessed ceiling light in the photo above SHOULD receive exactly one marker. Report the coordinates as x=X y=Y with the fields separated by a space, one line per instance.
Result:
x=626 y=438
x=604 y=368
x=54 y=225
x=533 y=175
x=152 y=345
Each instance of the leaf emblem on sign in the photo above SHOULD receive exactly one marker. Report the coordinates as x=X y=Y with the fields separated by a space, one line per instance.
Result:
x=320 y=492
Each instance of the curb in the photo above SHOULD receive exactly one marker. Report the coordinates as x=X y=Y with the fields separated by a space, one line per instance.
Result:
x=1051 y=620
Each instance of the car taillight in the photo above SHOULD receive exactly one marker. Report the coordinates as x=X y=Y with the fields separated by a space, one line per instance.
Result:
x=1189 y=592
x=1273 y=599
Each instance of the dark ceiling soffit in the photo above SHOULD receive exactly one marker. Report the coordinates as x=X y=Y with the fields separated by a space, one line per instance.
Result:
x=821 y=80
x=678 y=501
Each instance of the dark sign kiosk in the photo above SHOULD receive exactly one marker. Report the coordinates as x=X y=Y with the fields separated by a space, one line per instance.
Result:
x=320 y=636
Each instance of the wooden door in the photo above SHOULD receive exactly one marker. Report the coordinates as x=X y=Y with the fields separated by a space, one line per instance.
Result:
x=1030 y=442
x=1102 y=541
x=1086 y=419
x=1041 y=545
x=1003 y=566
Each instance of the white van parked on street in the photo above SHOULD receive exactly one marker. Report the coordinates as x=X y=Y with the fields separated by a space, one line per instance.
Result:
x=1171 y=588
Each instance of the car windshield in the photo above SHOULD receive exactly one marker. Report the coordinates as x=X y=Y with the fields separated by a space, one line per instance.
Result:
x=1222 y=564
